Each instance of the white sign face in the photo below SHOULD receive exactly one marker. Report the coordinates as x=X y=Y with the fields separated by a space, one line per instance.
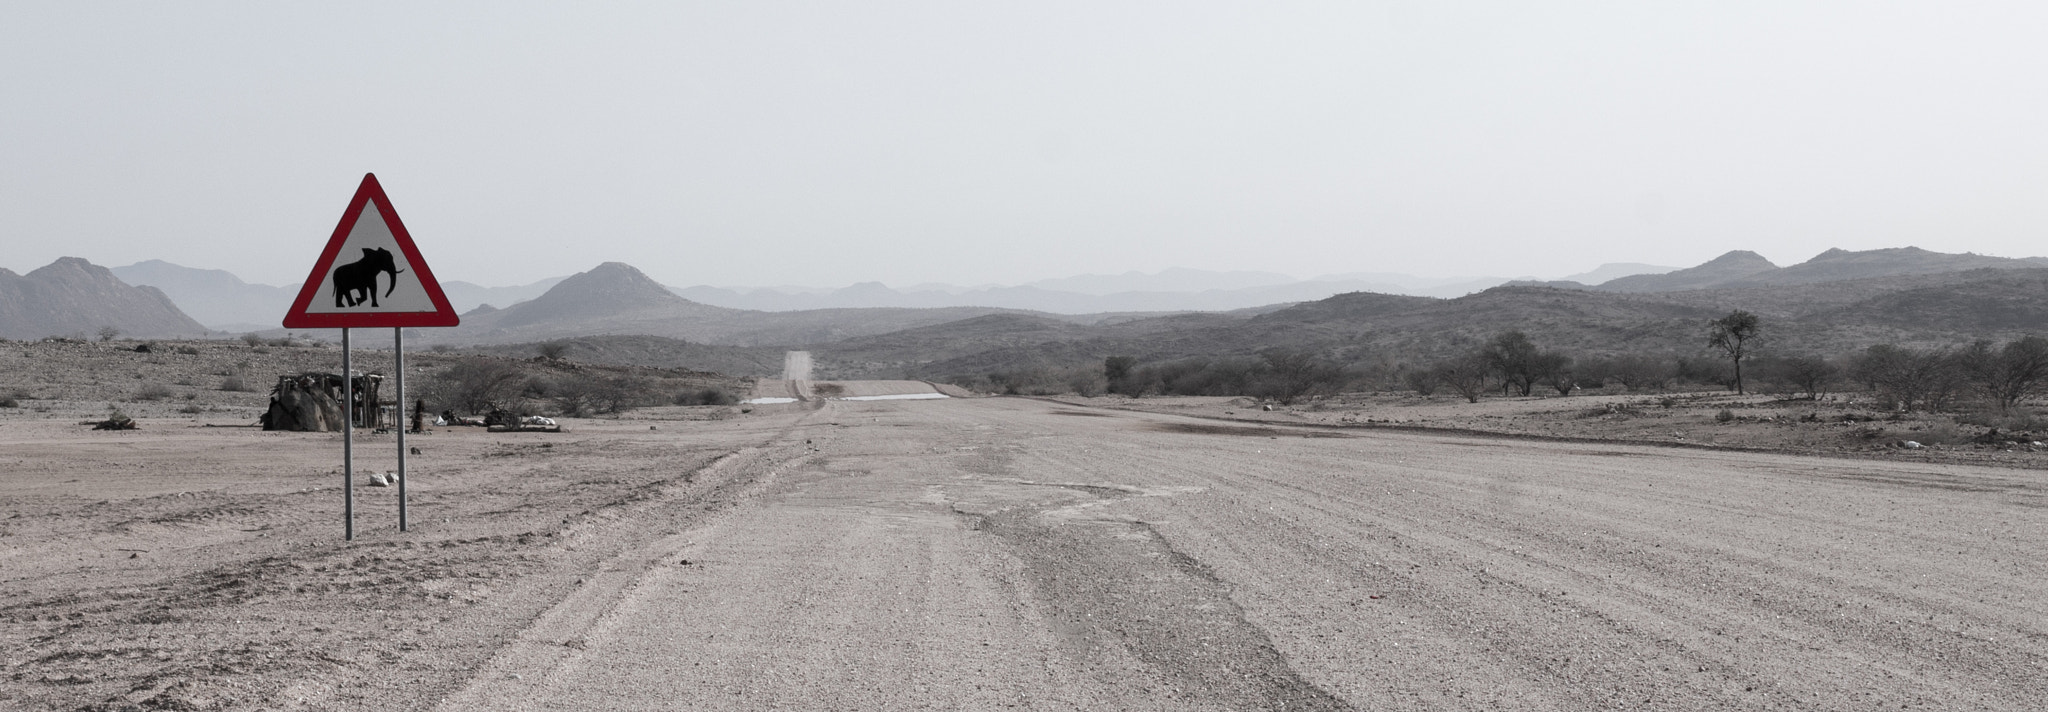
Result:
x=370 y=274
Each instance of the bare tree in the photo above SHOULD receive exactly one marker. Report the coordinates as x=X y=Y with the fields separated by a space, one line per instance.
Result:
x=2007 y=374
x=1422 y=380
x=1911 y=378
x=1515 y=359
x=1466 y=374
x=107 y=333
x=1808 y=374
x=1734 y=335
x=475 y=384
x=1290 y=374
x=1555 y=370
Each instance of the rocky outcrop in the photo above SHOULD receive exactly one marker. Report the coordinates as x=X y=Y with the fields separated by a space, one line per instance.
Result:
x=74 y=297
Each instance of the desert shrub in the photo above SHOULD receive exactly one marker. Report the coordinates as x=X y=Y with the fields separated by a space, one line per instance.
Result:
x=706 y=396
x=1087 y=382
x=1941 y=433
x=475 y=385
x=1909 y=379
x=1116 y=374
x=441 y=348
x=282 y=342
x=1724 y=416
x=1289 y=375
x=107 y=333
x=234 y=384
x=191 y=408
x=188 y=350
x=1423 y=381
x=1793 y=375
x=9 y=402
x=153 y=392
x=1705 y=372
x=1636 y=372
x=1468 y=375
x=2010 y=421
x=1027 y=382
x=828 y=390
x=2008 y=374
x=551 y=349
x=618 y=394
x=252 y=339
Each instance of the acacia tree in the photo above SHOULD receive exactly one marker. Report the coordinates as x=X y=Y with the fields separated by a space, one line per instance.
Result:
x=1465 y=374
x=1515 y=359
x=1734 y=335
x=1556 y=371
x=2010 y=373
x=1116 y=370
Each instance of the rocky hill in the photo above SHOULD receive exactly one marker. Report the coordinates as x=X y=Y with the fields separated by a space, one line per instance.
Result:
x=74 y=297
x=1738 y=264
x=1828 y=318
x=616 y=299
x=1742 y=269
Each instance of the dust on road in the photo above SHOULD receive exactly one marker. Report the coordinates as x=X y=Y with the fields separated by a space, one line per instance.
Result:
x=1001 y=553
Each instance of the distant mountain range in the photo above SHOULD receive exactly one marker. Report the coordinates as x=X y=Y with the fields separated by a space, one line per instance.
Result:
x=1836 y=299
x=222 y=301
x=1742 y=268
x=73 y=297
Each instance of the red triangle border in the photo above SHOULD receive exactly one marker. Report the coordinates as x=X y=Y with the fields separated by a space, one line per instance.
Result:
x=370 y=190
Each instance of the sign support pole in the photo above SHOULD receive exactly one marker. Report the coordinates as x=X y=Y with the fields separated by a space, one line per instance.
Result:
x=411 y=298
x=348 y=441
x=398 y=346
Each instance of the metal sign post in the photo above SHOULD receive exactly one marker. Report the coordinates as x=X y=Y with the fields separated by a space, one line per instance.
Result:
x=398 y=347
x=348 y=441
x=387 y=284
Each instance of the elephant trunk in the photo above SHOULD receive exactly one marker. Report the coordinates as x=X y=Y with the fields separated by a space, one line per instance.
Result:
x=394 y=283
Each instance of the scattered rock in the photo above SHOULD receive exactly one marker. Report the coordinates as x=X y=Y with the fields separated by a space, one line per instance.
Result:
x=383 y=479
x=415 y=451
x=1910 y=444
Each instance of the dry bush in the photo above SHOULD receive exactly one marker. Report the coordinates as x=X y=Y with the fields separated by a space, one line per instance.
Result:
x=153 y=392
x=706 y=396
x=234 y=384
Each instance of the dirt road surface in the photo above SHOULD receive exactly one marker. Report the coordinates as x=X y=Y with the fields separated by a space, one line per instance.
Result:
x=1013 y=554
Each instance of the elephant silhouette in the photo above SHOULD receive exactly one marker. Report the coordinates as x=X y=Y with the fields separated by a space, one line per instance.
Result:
x=356 y=282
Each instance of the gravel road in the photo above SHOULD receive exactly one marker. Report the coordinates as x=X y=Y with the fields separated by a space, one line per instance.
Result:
x=1017 y=554
x=1011 y=553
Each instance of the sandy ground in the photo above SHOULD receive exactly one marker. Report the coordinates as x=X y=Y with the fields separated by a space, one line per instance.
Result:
x=1007 y=553
x=1847 y=425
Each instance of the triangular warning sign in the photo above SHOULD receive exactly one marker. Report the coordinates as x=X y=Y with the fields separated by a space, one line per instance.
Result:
x=370 y=274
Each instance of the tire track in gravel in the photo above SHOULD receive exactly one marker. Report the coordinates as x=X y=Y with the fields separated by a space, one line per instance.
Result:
x=1117 y=584
x=555 y=637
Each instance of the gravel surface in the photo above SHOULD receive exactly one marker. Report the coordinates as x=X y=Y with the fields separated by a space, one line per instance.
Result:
x=1008 y=553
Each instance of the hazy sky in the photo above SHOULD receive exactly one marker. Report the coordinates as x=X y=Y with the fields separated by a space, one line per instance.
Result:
x=750 y=143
